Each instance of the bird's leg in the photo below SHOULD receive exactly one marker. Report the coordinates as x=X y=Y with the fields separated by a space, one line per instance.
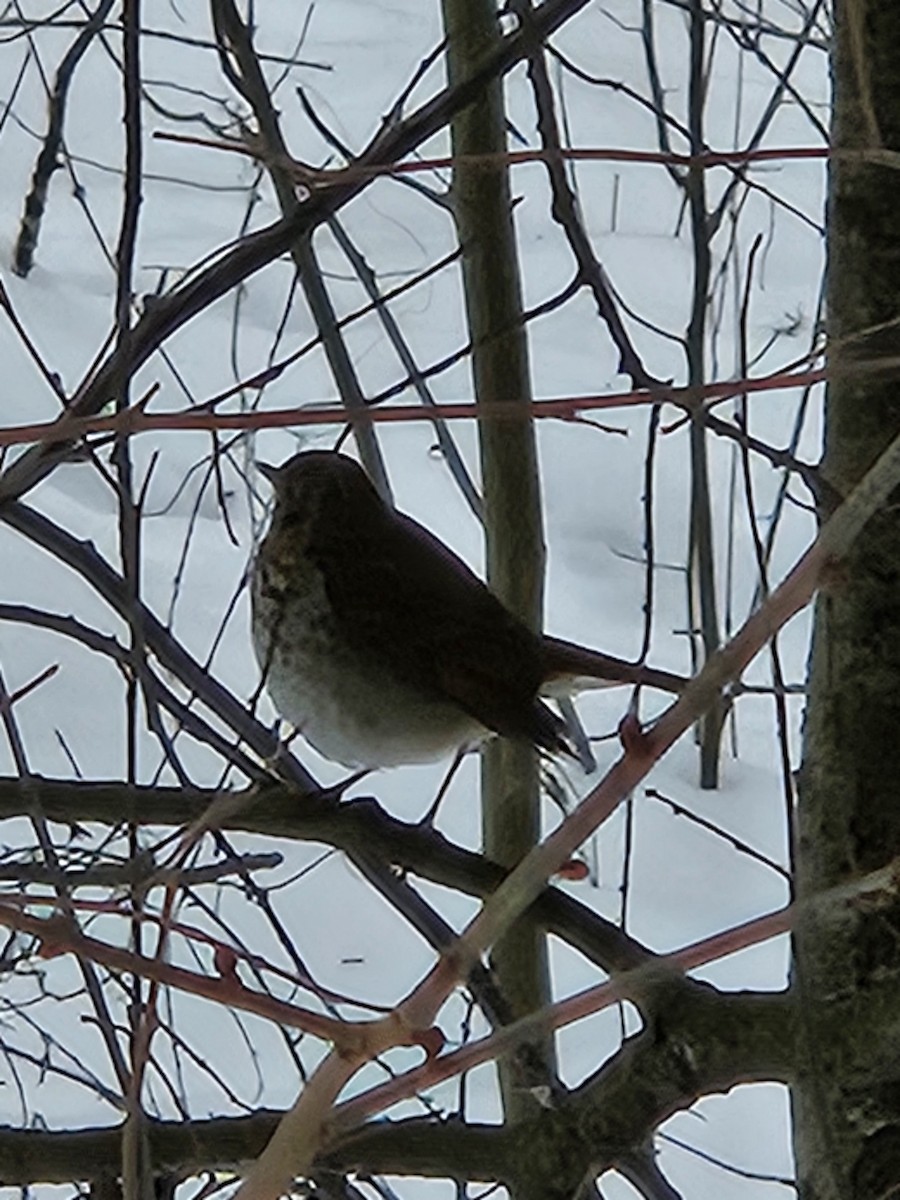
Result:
x=428 y=820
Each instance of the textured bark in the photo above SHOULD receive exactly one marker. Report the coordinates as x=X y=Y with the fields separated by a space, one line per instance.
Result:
x=846 y=1098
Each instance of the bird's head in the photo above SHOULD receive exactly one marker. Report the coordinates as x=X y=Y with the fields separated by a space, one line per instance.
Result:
x=322 y=483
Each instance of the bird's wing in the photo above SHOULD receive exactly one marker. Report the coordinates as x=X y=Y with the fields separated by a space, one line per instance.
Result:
x=416 y=604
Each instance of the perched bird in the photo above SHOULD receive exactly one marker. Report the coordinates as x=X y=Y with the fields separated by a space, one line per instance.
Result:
x=380 y=645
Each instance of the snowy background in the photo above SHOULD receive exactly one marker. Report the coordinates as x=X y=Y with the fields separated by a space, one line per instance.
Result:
x=684 y=882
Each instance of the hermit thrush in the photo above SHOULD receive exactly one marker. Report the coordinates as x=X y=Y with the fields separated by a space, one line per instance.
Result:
x=380 y=645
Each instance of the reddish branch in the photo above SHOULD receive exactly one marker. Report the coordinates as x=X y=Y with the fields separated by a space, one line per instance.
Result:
x=633 y=984
x=359 y=1040
x=311 y=177
x=138 y=420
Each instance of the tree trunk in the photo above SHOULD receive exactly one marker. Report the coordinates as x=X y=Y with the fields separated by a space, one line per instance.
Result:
x=846 y=1098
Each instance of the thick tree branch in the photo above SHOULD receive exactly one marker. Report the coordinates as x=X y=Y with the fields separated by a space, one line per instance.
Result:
x=704 y=1042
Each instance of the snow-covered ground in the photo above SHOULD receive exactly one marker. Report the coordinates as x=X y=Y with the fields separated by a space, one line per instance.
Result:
x=684 y=882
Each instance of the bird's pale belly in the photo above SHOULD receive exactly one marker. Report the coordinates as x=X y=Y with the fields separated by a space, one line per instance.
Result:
x=350 y=721
x=347 y=711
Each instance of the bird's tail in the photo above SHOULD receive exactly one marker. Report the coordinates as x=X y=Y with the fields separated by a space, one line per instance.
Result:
x=570 y=667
